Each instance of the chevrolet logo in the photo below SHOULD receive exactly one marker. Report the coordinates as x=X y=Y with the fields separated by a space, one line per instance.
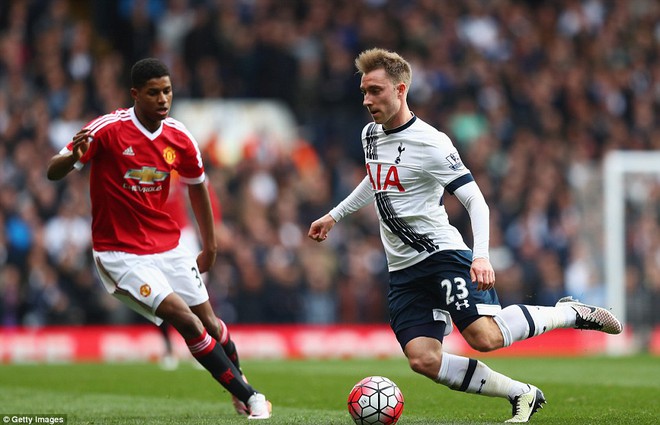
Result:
x=146 y=175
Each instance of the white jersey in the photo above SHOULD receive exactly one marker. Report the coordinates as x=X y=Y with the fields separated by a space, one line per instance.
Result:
x=408 y=170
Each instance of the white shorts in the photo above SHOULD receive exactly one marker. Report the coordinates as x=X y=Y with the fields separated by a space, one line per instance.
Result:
x=143 y=281
x=190 y=240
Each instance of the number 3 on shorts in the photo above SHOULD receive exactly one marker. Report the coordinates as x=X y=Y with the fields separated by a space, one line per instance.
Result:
x=197 y=276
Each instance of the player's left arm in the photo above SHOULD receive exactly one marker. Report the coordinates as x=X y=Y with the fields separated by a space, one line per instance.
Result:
x=200 y=202
x=473 y=200
x=445 y=164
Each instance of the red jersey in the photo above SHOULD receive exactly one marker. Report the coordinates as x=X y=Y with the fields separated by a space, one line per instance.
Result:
x=177 y=204
x=130 y=181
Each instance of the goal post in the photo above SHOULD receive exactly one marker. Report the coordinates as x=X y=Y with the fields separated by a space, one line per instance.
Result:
x=616 y=165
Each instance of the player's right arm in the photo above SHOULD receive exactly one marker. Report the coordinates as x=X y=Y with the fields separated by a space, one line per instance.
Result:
x=61 y=164
x=320 y=228
x=360 y=197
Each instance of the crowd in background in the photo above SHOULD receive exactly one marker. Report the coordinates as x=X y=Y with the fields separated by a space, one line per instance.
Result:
x=533 y=93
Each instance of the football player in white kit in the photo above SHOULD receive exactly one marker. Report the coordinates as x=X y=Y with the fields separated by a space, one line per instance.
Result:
x=436 y=280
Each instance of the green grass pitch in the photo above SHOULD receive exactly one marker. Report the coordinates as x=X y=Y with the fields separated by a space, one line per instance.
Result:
x=590 y=390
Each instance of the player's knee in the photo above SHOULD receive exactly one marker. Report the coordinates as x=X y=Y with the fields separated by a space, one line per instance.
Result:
x=484 y=335
x=212 y=325
x=484 y=342
x=427 y=364
x=187 y=324
x=214 y=331
x=209 y=320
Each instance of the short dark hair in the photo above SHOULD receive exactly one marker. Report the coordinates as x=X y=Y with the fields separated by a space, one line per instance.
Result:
x=146 y=69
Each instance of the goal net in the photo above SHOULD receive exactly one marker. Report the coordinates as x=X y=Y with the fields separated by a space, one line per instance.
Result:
x=631 y=221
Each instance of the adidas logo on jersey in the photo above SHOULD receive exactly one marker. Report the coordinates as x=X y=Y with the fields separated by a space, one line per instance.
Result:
x=128 y=151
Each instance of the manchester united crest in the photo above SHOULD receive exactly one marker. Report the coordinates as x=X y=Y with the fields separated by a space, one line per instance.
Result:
x=145 y=290
x=169 y=154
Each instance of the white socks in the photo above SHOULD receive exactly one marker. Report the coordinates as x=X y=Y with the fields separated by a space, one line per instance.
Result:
x=518 y=322
x=472 y=376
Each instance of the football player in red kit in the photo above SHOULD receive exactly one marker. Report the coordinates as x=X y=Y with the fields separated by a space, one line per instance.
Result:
x=132 y=154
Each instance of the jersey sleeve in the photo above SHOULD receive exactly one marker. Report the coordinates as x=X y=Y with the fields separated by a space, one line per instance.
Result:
x=85 y=158
x=191 y=168
x=97 y=128
x=361 y=196
x=447 y=167
x=444 y=163
x=473 y=200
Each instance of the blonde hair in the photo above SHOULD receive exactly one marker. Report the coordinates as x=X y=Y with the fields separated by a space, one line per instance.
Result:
x=396 y=67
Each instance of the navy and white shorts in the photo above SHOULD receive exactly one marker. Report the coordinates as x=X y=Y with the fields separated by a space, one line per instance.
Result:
x=425 y=298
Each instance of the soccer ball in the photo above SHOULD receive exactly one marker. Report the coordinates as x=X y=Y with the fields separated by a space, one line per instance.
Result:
x=375 y=400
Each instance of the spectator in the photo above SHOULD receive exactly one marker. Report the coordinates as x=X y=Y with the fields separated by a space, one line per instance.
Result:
x=552 y=86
